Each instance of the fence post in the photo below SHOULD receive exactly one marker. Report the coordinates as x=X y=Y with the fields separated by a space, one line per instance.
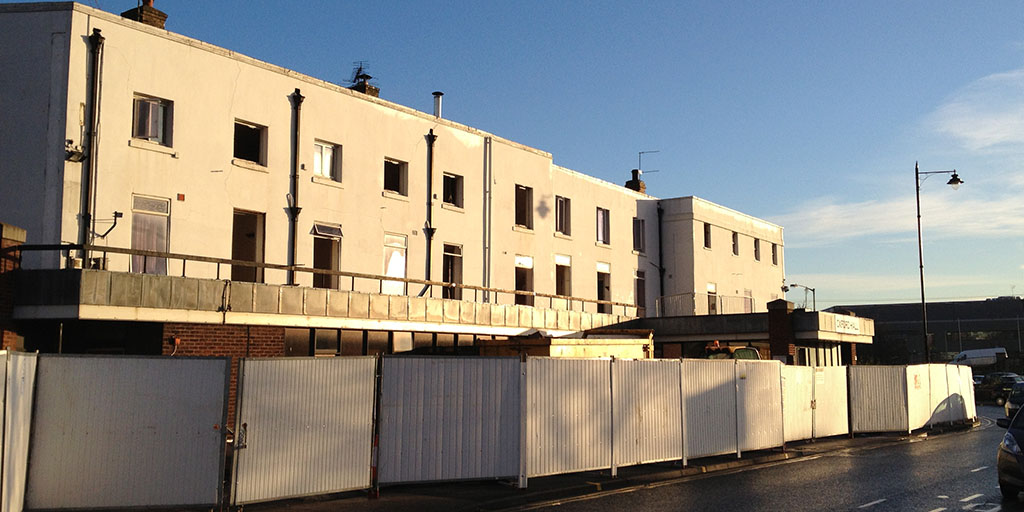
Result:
x=611 y=403
x=736 y=387
x=682 y=407
x=523 y=421
x=375 y=448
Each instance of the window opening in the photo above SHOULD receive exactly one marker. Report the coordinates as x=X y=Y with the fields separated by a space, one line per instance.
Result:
x=603 y=229
x=249 y=142
x=563 y=215
x=639 y=239
x=327 y=160
x=247 y=238
x=451 y=271
x=524 y=206
x=452 y=189
x=394 y=263
x=395 y=176
x=151 y=221
x=152 y=120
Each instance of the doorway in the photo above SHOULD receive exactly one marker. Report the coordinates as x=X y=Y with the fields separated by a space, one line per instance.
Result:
x=247 y=239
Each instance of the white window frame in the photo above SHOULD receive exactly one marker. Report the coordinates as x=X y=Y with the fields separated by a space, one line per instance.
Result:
x=152 y=119
x=332 y=153
x=563 y=215
x=604 y=229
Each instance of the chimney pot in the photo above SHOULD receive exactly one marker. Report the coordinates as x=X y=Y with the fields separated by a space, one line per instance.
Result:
x=636 y=183
x=147 y=14
x=437 y=103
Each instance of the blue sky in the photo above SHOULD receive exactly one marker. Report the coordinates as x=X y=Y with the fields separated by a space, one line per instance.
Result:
x=807 y=114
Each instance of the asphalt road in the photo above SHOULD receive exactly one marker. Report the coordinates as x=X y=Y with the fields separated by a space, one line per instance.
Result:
x=953 y=471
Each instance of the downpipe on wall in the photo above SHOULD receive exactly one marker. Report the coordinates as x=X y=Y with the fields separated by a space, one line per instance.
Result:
x=293 y=195
x=89 y=173
x=428 y=227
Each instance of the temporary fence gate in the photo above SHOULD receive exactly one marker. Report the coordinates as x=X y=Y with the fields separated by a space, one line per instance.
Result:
x=759 y=405
x=112 y=432
x=449 y=419
x=304 y=427
x=831 y=411
x=797 y=400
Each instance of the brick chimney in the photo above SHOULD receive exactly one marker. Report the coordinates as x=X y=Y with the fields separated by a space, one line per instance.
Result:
x=636 y=183
x=147 y=14
x=363 y=85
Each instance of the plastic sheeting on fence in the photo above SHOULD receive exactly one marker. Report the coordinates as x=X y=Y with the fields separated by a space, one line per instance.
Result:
x=569 y=413
x=449 y=419
x=127 y=432
x=906 y=398
x=305 y=426
x=19 y=384
x=648 y=419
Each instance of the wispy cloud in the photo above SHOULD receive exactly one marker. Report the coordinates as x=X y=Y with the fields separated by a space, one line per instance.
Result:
x=828 y=221
x=841 y=288
x=987 y=113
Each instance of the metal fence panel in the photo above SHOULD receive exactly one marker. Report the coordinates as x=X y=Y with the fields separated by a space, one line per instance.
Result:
x=307 y=427
x=831 y=410
x=956 y=409
x=939 y=395
x=760 y=408
x=797 y=394
x=967 y=388
x=568 y=422
x=878 y=399
x=647 y=408
x=449 y=418
x=710 y=390
x=127 y=432
x=919 y=409
x=19 y=385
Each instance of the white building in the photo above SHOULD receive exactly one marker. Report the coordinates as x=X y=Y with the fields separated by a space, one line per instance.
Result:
x=117 y=134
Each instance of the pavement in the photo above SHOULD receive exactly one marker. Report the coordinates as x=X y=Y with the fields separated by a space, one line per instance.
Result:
x=496 y=495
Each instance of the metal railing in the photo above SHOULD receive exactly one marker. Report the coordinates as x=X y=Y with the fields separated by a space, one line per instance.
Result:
x=690 y=304
x=480 y=294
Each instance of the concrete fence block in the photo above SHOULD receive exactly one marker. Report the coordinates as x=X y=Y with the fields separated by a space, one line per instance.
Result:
x=337 y=303
x=292 y=298
x=435 y=310
x=417 y=309
x=315 y=302
x=497 y=315
x=213 y=295
x=125 y=289
x=156 y=291
x=398 y=308
x=95 y=287
x=266 y=298
x=451 y=311
x=379 y=305
x=467 y=313
x=184 y=293
x=359 y=305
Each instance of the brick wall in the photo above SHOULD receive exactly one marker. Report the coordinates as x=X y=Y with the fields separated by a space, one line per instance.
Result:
x=235 y=341
x=10 y=236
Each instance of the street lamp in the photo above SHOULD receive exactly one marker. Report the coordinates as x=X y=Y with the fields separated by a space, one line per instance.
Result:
x=814 y=300
x=955 y=182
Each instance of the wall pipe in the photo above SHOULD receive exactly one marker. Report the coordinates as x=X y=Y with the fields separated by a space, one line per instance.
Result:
x=96 y=66
x=428 y=228
x=661 y=261
x=293 y=201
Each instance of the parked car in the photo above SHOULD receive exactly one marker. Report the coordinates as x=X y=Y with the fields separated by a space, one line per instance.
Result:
x=1009 y=457
x=1014 y=401
x=978 y=378
x=995 y=387
x=718 y=352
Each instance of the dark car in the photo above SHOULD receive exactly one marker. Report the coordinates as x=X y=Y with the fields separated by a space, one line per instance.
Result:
x=1014 y=401
x=995 y=387
x=1009 y=457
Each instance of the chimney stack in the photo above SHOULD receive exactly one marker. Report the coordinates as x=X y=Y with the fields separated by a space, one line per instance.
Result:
x=363 y=85
x=147 y=14
x=636 y=183
x=437 y=103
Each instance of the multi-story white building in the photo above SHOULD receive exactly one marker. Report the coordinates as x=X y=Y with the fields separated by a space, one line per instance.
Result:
x=163 y=156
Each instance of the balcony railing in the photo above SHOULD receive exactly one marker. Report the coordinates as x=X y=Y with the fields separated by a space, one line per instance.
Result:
x=690 y=304
x=84 y=256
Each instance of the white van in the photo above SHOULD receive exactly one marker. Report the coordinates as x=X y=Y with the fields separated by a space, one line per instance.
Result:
x=980 y=357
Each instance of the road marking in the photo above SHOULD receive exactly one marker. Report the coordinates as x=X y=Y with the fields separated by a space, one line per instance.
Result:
x=940 y=509
x=942 y=497
x=979 y=469
x=971 y=497
x=873 y=503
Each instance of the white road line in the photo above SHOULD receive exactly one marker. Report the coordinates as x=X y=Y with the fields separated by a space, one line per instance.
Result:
x=979 y=469
x=942 y=497
x=940 y=509
x=971 y=497
x=873 y=503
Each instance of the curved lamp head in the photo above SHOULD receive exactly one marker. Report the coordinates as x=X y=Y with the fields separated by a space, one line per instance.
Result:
x=955 y=181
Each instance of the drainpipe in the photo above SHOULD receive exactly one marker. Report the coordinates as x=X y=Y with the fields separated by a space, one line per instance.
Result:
x=487 y=218
x=293 y=196
x=85 y=222
x=661 y=262
x=428 y=227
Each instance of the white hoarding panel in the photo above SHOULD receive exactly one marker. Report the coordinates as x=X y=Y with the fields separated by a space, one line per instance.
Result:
x=710 y=390
x=956 y=408
x=449 y=418
x=967 y=388
x=797 y=395
x=878 y=399
x=760 y=405
x=648 y=420
x=831 y=411
x=568 y=422
x=306 y=425
x=19 y=385
x=919 y=409
x=938 y=395
x=127 y=432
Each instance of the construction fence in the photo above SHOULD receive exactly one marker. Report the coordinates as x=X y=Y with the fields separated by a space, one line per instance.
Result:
x=123 y=431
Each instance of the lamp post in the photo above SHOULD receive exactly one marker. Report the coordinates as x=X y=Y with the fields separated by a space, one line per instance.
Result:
x=814 y=299
x=955 y=182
